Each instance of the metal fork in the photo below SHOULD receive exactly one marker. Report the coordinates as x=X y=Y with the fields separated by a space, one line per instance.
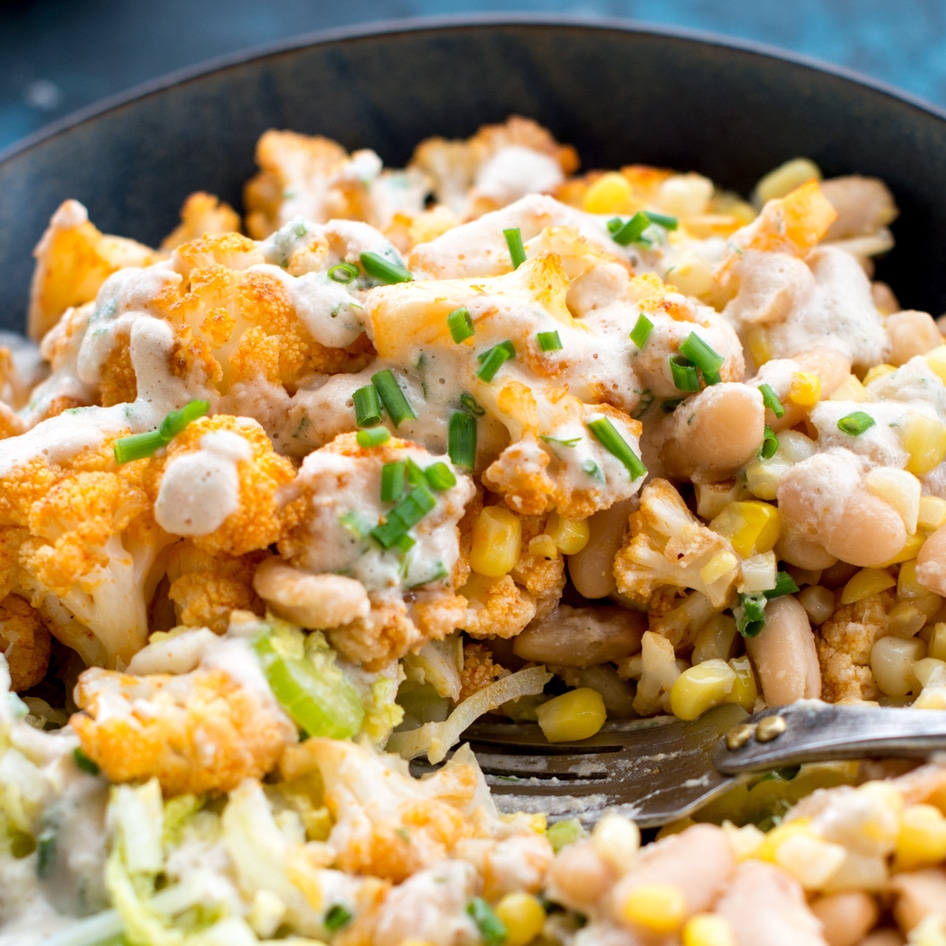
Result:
x=659 y=770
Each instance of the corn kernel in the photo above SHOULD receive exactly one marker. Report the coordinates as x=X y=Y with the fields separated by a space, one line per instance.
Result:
x=931 y=514
x=891 y=663
x=936 y=359
x=899 y=489
x=937 y=642
x=616 y=839
x=543 y=546
x=522 y=915
x=577 y=714
x=712 y=498
x=497 y=540
x=878 y=371
x=657 y=908
x=928 y=668
x=924 y=439
x=910 y=550
x=759 y=573
x=757 y=341
x=692 y=275
x=785 y=178
x=685 y=194
x=812 y=861
x=921 y=841
x=867 y=582
x=850 y=389
x=744 y=691
x=609 y=194
x=700 y=688
x=905 y=619
x=750 y=526
x=708 y=929
x=570 y=535
x=716 y=638
x=805 y=389
x=774 y=839
x=720 y=564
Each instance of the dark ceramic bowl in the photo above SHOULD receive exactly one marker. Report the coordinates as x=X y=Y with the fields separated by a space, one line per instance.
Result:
x=619 y=93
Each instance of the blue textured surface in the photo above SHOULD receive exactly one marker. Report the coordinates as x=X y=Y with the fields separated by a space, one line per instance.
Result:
x=60 y=55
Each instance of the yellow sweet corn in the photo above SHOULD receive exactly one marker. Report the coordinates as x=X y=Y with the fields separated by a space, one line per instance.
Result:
x=569 y=535
x=936 y=647
x=543 y=546
x=707 y=929
x=850 y=389
x=497 y=540
x=878 y=371
x=910 y=550
x=700 y=688
x=774 y=839
x=750 y=526
x=577 y=714
x=805 y=389
x=867 y=582
x=899 y=489
x=611 y=193
x=523 y=916
x=921 y=841
x=722 y=563
x=657 y=908
x=617 y=840
x=785 y=178
x=924 y=439
x=744 y=690
x=757 y=341
x=931 y=514
x=715 y=639
x=936 y=359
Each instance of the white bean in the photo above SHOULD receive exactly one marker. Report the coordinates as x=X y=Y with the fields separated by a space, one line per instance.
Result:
x=845 y=917
x=592 y=569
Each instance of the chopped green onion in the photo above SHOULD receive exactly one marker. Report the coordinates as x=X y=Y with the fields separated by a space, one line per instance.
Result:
x=684 y=375
x=493 y=359
x=549 y=341
x=771 y=401
x=492 y=929
x=392 y=481
x=784 y=585
x=388 y=271
x=607 y=435
x=641 y=331
x=415 y=473
x=571 y=442
x=769 y=444
x=404 y=516
x=662 y=220
x=392 y=397
x=461 y=439
x=373 y=436
x=625 y=232
x=460 y=323
x=439 y=476
x=367 y=406
x=702 y=355
x=321 y=704
x=140 y=446
x=471 y=404
x=343 y=272
x=84 y=763
x=668 y=407
x=593 y=470
x=750 y=614
x=643 y=406
x=45 y=853
x=404 y=543
x=856 y=423
x=517 y=252
x=563 y=833
x=356 y=523
x=438 y=573
x=337 y=917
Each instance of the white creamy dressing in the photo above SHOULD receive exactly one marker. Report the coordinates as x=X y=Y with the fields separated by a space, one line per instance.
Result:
x=512 y=172
x=200 y=490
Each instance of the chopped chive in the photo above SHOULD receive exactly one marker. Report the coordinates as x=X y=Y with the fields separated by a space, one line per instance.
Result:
x=392 y=397
x=517 y=252
x=336 y=917
x=355 y=523
x=771 y=401
x=415 y=473
x=471 y=404
x=373 y=436
x=607 y=435
x=140 y=446
x=439 y=476
x=492 y=930
x=592 y=469
x=438 y=573
x=571 y=442
x=856 y=423
x=84 y=763
x=784 y=585
x=388 y=271
x=367 y=406
x=668 y=407
x=493 y=359
x=549 y=341
x=461 y=439
x=695 y=350
x=662 y=220
x=641 y=331
x=404 y=543
x=626 y=232
x=404 y=516
x=392 y=481
x=343 y=272
x=643 y=406
x=684 y=375
x=45 y=853
x=750 y=614
x=460 y=323
x=769 y=444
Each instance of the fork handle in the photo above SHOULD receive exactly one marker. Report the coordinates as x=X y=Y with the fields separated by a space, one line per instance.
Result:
x=822 y=732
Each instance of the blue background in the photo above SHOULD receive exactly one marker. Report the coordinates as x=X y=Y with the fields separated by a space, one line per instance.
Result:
x=57 y=56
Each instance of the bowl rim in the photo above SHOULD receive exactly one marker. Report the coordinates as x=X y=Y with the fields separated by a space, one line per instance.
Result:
x=454 y=22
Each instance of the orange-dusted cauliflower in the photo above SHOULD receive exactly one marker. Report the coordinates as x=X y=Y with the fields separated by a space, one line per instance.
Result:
x=479 y=670
x=498 y=165
x=24 y=641
x=73 y=259
x=404 y=553
x=844 y=644
x=201 y=214
x=667 y=546
x=204 y=728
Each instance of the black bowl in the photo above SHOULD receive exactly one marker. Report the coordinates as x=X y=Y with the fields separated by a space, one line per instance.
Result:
x=619 y=93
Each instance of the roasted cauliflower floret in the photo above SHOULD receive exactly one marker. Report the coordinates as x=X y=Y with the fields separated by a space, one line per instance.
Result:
x=201 y=214
x=202 y=730
x=668 y=546
x=25 y=642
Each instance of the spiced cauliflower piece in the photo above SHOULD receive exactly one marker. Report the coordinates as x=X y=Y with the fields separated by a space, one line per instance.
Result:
x=24 y=641
x=667 y=546
x=403 y=553
x=201 y=214
x=204 y=727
